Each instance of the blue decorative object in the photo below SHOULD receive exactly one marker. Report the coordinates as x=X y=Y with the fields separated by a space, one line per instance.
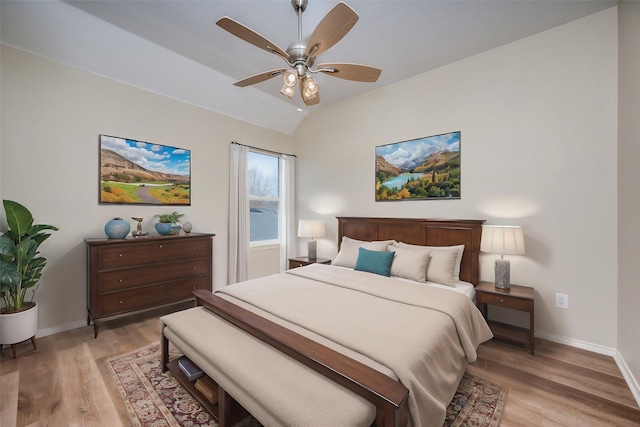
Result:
x=163 y=228
x=377 y=262
x=117 y=228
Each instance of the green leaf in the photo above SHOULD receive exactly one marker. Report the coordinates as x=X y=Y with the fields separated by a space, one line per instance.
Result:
x=19 y=219
x=9 y=275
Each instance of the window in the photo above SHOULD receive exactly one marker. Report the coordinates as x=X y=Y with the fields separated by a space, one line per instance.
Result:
x=264 y=198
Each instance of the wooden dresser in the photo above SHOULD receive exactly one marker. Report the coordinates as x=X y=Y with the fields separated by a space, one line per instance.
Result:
x=133 y=274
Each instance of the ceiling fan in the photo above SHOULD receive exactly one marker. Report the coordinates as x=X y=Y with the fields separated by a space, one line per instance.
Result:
x=301 y=56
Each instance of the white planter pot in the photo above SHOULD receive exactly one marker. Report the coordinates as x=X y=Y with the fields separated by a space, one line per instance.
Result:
x=18 y=327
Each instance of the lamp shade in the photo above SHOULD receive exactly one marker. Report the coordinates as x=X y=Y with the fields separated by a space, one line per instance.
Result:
x=311 y=228
x=502 y=239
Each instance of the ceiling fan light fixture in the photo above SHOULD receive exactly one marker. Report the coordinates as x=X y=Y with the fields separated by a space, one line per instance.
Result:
x=290 y=79
x=306 y=95
x=310 y=85
x=287 y=91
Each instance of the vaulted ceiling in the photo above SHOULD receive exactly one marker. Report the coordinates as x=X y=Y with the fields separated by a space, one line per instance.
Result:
x=175 y=49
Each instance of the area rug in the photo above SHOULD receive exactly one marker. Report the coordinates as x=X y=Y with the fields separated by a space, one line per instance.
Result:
x=152 y=398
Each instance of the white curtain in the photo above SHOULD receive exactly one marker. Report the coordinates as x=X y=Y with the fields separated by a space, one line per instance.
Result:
x=288 y=210
x=238 y=267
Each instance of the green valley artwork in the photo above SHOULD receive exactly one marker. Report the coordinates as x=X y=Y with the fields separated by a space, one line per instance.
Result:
x=418 y=169
x=143 y=173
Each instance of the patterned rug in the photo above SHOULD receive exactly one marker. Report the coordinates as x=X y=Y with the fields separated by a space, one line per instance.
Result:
x=152 y=398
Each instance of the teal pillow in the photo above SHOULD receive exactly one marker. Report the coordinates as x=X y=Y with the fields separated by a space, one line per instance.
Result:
x=376 y=262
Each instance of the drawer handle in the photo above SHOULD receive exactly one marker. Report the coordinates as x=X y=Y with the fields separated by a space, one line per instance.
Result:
x=160 y=246
x=194 y=248
x=501 y=300
x=193 y=288
x=120 y=301
x=120 y=280
x=193 y=268
x=120 y=255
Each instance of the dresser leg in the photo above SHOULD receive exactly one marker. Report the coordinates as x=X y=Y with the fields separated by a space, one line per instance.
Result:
x=96 y=329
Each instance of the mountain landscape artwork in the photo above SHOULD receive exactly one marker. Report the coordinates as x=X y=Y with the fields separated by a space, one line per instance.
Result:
x=418 y=169
x=143 y=173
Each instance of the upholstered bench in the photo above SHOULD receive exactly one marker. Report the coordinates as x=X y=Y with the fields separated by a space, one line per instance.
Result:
x=255 y=375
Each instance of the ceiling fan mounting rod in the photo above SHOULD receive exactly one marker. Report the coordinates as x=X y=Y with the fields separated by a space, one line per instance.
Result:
x=299 y=6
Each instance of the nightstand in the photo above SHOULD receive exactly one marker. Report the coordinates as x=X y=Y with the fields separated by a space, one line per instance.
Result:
x=519 y=298
x=305 y=260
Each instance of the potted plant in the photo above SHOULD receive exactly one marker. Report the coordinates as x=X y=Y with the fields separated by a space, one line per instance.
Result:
x=20 y=271
x=166 y=223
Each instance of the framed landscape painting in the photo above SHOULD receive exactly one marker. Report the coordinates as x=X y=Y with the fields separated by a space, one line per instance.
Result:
x=419 y=169
x=143 y=173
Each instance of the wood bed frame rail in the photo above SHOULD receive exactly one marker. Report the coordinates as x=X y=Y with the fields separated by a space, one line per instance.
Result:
x=387 y=395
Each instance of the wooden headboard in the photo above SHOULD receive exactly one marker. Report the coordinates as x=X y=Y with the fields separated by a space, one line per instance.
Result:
x=422 y=231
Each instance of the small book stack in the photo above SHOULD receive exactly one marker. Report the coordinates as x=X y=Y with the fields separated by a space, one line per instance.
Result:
x=208 y=388
x=189 y=369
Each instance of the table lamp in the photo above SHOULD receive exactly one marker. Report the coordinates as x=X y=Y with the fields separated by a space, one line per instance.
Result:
x=503 y=240
x=311 y=228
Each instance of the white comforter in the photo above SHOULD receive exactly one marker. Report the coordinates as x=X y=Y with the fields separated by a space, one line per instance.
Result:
x=420 y=335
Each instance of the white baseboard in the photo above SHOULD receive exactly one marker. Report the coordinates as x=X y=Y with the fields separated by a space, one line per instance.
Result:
x=631 y=381
x=61 y=328
x=628 y=376
x=572 y=342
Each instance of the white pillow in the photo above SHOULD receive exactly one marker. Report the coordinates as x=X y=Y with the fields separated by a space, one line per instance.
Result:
x=410 y=263
x=441 y=267
x=348 y=254
x=459 y=248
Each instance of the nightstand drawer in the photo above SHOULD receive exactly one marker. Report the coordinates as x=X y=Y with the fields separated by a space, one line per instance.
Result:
x=506 y=301
x=296 y=264
x=302 y=261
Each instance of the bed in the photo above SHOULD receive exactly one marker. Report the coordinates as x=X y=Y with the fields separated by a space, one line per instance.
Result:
x=342 y=345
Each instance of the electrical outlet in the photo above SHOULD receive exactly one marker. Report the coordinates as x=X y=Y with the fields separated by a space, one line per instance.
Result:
x=562 y=301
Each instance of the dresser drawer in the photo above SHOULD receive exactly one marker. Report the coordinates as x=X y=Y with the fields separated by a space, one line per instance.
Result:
x=129 y=255
x=149 y=296
x=505 y=301
x=113 y=280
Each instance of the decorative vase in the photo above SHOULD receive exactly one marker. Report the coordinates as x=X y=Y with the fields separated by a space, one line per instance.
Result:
x=187 y=227
x=117 y=228
x=163 y=228
x=19 y=326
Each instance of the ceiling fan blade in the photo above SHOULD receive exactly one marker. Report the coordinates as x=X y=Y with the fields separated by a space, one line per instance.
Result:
x=357 y=72
x=333 y=27
x=250 y=36
x=259 y=77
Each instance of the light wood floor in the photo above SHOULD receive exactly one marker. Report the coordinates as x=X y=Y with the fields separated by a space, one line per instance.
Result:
x=64 y=382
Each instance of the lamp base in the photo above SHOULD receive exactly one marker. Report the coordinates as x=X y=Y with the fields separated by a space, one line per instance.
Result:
x=313 y=244
x=503 y=278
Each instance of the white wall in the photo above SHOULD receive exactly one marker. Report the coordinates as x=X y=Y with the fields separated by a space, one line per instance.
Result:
x=538 y=119
x=264 y=260
x=52 y=115
x=628 y=194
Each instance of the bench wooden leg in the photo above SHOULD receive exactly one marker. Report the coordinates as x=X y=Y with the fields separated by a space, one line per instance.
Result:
x=164 y=345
